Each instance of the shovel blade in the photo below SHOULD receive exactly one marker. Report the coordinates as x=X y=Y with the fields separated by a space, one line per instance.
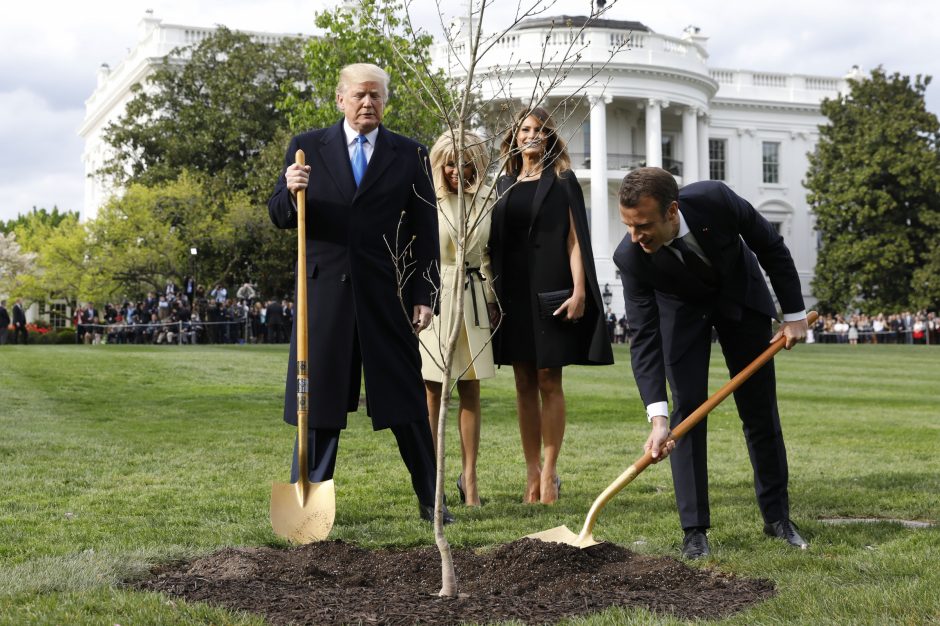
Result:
x=303 y=517
x=562 y=534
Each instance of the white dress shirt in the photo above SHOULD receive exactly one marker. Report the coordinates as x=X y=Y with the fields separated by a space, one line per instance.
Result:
x=351 y=134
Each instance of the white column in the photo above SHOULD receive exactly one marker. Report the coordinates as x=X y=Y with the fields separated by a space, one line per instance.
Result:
x=703 y=146
x=689 y=146
x=599 y=196
x=654 y=133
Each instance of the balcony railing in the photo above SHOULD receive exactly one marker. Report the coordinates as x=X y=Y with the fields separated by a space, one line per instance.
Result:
x=582 y=160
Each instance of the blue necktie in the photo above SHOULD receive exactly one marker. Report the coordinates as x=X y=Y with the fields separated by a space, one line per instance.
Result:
x=359 y=159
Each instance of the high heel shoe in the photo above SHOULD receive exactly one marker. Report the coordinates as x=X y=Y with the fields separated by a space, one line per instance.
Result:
x=460 y=492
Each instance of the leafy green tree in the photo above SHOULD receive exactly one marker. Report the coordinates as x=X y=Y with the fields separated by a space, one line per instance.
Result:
x=926 y=278
x=372 y=31
x=208 y=108
x=205 y=135
x=54 y=218
x=142 y=239
x=874 y=187
x=136 y=241
x=63 y=263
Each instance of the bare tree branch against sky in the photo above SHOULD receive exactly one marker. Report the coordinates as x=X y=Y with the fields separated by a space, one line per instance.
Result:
x=50 y=51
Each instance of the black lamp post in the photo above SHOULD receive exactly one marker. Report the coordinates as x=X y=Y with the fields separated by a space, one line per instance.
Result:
x=192 y=266
x=606 y=295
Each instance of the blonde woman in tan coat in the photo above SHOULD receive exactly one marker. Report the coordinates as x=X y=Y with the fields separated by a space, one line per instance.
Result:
x=473 y=356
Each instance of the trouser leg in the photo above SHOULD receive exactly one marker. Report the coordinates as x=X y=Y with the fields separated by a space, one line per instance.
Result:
x=688 y=379
x=417 y=451
x=322 y=446
x=756 y=400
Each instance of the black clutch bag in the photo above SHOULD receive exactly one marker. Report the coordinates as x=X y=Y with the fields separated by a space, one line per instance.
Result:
x=549 y=301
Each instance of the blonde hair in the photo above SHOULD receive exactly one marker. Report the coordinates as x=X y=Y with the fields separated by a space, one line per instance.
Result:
x=445 y=151
x=362 y=73
x=556 y=152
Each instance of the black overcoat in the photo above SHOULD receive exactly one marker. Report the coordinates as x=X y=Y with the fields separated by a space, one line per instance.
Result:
x=356 y=321
x=550 y=270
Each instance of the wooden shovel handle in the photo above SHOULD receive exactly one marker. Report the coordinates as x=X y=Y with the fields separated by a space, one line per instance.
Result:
x=716 y=398
x=684 y=427
x=303 y=379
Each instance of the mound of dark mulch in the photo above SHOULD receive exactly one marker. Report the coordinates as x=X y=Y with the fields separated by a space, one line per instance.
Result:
x=531 y=581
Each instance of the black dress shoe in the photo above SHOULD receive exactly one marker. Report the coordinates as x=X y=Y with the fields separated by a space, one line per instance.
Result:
x=427 y=513
x=695 y=544
x=786 y=530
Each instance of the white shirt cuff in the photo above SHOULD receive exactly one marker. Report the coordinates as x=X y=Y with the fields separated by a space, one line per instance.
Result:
x=657 y=408
x=794 y=317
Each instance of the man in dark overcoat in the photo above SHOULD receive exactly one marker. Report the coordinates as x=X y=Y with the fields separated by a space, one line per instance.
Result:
x=691 y=262
x=4 y=322
x=274 y=320
x=19 y=322
x=369 y=200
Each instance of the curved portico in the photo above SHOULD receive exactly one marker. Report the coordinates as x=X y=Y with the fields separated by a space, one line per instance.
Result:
x=622 y=95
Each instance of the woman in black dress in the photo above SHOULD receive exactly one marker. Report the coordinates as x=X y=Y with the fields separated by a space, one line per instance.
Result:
x=547 y=288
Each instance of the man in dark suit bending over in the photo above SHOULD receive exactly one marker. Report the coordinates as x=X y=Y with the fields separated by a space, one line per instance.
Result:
x=369 y=195
x=691 y=262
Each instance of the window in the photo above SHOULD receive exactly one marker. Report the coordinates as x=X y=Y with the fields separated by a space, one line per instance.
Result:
x=57 y=312
x=771 y=162
x=717 y=159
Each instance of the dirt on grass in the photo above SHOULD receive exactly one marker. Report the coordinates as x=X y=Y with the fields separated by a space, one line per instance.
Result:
x=530 y=581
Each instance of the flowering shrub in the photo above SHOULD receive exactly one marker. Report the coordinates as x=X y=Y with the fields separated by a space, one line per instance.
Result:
x=40 y=328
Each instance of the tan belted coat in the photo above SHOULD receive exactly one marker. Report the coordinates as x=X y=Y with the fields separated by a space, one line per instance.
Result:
x=473 y=358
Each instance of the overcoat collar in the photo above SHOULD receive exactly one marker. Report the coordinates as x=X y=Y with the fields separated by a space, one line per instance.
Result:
x=335 y=154
x=546 y=180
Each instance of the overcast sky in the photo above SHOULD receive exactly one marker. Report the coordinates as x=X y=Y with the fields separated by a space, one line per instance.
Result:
x=50 y=50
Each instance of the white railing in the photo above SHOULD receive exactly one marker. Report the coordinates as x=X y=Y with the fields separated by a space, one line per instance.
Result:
x=776 y=87
x=594 y=45
x=722 y=76
x=822 y=84
x=770 y=80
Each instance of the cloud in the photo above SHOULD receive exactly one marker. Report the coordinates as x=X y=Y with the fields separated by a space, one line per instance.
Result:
x=40 y=162
x=50 y=51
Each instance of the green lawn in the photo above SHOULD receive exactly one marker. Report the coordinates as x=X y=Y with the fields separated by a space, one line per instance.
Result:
x=113 y=458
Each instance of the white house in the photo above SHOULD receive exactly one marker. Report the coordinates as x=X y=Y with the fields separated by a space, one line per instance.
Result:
x=656 y=102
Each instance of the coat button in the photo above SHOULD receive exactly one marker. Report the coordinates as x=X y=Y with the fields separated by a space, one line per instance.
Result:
x=344 y=278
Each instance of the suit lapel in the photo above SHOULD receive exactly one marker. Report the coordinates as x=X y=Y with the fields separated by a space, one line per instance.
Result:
x=335 y=154
x=384 y=154
x=702 y=234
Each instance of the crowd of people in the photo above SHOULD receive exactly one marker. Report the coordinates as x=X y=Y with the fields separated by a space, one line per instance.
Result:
x=188 y=316
x=906 y=327
x=921 y=327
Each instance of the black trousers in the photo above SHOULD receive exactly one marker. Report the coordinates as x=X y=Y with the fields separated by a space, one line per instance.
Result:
x=741 y=342
x=414 y=444
x=20 y=332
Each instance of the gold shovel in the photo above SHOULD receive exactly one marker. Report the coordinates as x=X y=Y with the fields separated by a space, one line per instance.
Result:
x=561 y=534
x=302 y=512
